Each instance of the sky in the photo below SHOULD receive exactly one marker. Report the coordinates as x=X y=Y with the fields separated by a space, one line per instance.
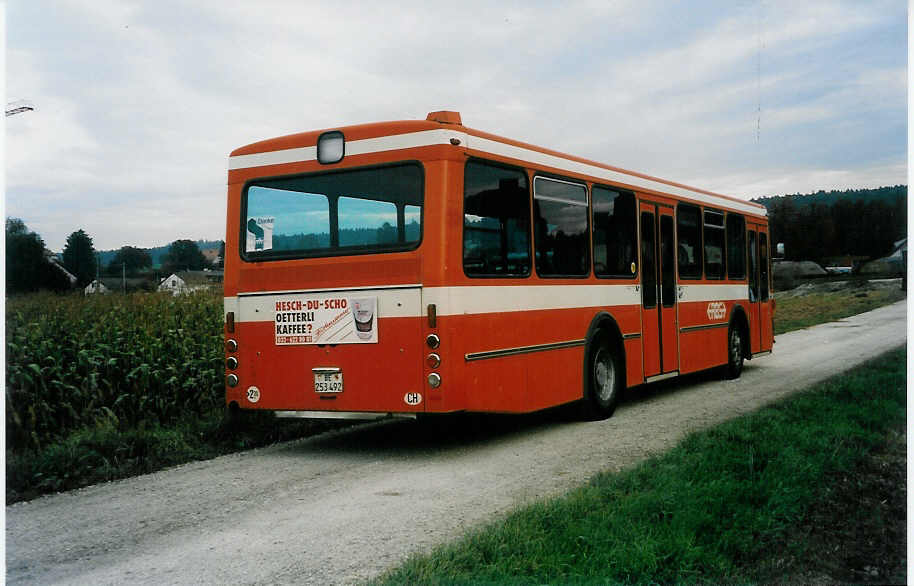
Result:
x=138 y=104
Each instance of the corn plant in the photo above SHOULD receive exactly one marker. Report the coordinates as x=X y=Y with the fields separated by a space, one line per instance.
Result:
x=76 y=362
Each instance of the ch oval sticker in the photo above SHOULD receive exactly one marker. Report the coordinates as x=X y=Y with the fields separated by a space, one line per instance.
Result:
x=412 y=399
x=253 y=394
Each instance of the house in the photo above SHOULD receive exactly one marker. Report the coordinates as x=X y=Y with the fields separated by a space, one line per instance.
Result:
x=57 y=263
x=115 y=285
x=94 y=287
x=186 y=282
x=210 y=276
x=174 y=284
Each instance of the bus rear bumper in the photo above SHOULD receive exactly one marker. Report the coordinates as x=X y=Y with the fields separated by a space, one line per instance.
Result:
x=357 y=415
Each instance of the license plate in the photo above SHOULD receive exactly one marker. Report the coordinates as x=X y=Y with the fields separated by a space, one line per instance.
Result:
x=326 y=382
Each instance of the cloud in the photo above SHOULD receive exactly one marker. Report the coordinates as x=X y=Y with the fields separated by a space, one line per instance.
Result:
x=806 y=180
x=140 y=103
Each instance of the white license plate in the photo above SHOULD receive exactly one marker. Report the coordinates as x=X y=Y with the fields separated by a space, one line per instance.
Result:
x=328 y=382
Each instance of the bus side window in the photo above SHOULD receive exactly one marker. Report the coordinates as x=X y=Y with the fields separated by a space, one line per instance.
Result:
x=736 y=246
x=496 y=221
x=561 y=240
x=688 y=243
x=763 y=264
x=614 y=233
x=715 y=262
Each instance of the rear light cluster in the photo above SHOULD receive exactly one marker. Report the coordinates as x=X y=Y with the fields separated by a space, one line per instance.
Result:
x=433 y=360
x=231 y=363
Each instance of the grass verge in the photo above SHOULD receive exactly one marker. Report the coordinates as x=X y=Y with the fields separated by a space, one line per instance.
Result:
x=711 y=510
x=856 y=532
x=108 y=451
x=794 y=313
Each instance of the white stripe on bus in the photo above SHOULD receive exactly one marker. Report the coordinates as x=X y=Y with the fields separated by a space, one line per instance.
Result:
x=495 y=299
x=352 y=147
x=442 y=136
x=480 y=299
x=722 y=292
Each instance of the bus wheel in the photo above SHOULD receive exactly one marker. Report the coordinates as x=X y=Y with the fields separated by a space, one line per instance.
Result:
x=605 y=380
x=734 y=353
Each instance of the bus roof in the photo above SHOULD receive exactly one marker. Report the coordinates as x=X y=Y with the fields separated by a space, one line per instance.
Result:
x=446 y=127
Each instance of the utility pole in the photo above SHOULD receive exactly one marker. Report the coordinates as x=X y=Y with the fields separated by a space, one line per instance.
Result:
x=124 y=276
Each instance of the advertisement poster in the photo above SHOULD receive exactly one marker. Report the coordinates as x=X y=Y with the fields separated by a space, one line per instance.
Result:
x=259 y=234
x=328 y=320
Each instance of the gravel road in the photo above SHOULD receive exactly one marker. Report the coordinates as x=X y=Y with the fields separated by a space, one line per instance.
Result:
x=346 y=505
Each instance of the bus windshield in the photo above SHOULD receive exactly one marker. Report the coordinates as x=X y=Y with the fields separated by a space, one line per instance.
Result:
x=357 y=211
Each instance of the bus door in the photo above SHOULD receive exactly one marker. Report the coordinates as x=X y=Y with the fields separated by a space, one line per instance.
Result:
x=764 y=283
x=659 y=321
x=760 y=316
x=755 y=330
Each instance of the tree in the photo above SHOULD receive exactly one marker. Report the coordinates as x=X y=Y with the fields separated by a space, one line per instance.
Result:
x=27 y=267
x=183 y=255
x=79 y=257
x=856 y=222
x=130 y=259
x=221 y=263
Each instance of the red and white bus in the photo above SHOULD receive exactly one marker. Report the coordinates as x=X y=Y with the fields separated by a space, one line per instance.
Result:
x=400 y=268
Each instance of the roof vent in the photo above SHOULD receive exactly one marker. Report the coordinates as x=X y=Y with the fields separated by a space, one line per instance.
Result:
x=444 y=117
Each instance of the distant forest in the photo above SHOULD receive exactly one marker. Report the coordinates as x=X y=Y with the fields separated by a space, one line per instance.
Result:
x=827 y=225
x=106 y=256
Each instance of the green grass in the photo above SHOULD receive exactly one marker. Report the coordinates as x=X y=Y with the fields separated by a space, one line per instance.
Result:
x=794 y=313
x=708 y=511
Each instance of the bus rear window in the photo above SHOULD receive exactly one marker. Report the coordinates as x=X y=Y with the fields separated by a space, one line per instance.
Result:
x=327 y=214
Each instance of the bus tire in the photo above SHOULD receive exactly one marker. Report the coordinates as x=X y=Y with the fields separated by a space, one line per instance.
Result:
x=604 y=379
x=734 y=352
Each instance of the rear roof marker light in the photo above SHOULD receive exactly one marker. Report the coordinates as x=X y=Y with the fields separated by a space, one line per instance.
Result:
x=331 y=146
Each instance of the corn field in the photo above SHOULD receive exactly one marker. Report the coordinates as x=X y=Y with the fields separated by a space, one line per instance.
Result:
x=75 y=362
